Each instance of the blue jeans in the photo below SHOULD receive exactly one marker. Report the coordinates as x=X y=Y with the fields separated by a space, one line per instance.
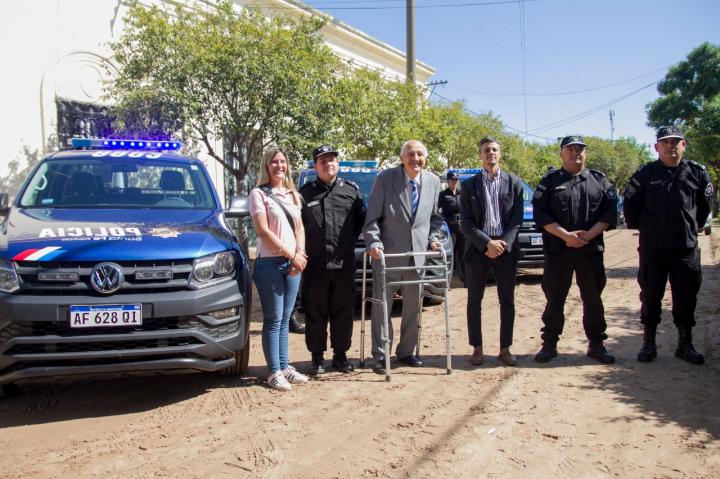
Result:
x=277 y=291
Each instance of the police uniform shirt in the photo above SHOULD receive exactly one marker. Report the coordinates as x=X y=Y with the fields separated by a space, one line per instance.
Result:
x=668 y=205
x=449 y=205
x=575 y=202
x=333 y=216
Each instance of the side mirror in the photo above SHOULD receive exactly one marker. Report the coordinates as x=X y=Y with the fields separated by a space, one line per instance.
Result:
x=4 y=208
x=239 y=207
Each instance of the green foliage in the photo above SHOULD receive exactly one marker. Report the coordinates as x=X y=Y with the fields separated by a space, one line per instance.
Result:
x=690 y=97
x=19 y=168
x=372 y=115
x=452 y=135
x=220 y=74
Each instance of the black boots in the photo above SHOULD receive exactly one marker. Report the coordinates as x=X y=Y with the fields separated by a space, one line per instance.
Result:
x=685 y=349
x=318 y=364
x=548 y=351
x=597 y=351
x=649 y=350
x=296 y=326
x=341 y=363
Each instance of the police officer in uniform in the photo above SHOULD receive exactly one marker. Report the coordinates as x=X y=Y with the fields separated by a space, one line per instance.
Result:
x=574 y=206
x=333 y=214
x=667 y=200
x=449 y=205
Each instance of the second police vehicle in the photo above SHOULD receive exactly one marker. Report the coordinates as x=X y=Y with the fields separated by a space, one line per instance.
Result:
x=363 y=174
x=529 y=238
x=115 y=257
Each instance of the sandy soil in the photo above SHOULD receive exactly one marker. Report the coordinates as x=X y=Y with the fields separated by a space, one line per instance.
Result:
x=569 y=418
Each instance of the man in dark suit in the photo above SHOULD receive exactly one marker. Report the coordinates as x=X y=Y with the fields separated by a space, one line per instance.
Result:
x=491 y=213
x=402 y=216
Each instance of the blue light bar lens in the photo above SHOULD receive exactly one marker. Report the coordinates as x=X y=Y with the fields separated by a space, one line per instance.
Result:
x=103 y=144
x=359 y=164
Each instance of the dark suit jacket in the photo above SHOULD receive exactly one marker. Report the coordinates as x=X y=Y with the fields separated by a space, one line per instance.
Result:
x=472 y=211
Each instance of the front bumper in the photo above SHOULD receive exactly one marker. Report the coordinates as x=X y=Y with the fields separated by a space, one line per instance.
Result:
x=177 y=334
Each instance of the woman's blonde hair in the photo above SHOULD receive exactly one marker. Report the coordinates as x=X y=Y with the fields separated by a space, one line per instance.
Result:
x=264 y=177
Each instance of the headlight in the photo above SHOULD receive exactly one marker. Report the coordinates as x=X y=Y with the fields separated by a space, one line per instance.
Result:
x=9 y=282
x=212 y=269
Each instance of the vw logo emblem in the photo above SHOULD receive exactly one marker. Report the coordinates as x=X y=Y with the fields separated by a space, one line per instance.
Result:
x=106 y=278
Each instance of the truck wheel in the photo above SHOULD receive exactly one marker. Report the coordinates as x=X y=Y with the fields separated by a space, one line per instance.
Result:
x=242 y=358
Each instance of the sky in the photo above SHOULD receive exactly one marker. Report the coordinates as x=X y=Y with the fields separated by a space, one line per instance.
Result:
x=582 y=57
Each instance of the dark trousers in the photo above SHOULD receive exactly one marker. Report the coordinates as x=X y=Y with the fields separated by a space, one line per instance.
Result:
x=328 y=297
x=590 y=277
x=478 y=267
x=458 y=239
x=682 y=266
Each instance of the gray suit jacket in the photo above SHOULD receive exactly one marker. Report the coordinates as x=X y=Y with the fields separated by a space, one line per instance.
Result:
x=389 y=224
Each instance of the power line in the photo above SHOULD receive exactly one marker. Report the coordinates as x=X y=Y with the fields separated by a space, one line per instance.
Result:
x=560 y=93
x=474 y=113
x=592 y=110
x=324 y=6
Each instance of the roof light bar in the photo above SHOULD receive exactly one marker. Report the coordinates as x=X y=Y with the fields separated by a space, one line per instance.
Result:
x=122 y=144
x=360 y=163
x=465 y=171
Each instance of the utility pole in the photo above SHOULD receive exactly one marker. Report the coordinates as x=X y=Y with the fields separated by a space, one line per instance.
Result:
x=612 y=125
x=410 y=13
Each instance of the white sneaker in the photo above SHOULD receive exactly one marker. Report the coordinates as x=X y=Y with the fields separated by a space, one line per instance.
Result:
x=293 y=376
x=277 y=381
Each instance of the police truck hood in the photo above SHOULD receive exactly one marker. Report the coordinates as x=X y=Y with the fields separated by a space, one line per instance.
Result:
x=37 y=234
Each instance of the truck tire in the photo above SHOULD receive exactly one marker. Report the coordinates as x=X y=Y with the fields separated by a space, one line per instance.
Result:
x=242 y=358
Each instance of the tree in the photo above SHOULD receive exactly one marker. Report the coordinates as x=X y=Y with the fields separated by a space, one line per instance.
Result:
x=372 y=116
x=20 y=167
x=452 y=134
x=690 y=97
x=212 y=74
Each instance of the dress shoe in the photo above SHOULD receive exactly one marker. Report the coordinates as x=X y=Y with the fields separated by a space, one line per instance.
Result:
x=295 y=326
x=477 y=356
x=546 y=353
x=318 y=365
x=597 y=351
x=379 y=367
x=341 y=363
x=410 y=360
x=507 y=358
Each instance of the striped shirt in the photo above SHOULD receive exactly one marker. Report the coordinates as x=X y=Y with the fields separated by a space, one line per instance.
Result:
x=493 y=224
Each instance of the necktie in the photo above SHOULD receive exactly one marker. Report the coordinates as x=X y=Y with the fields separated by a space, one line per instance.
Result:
x=414 y=196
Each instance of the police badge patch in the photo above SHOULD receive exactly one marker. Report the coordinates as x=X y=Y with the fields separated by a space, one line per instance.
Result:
x=709 y=190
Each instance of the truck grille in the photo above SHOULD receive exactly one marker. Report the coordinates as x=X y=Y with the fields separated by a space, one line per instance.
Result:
x=62 y=329
x=102 y=346
x=30 y=271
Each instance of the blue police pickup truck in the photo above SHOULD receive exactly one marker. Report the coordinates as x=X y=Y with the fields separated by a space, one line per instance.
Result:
x=529 y=238
x=363 y=174
x=115 y=258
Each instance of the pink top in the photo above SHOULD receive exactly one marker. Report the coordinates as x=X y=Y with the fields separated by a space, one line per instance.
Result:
x=260 y=203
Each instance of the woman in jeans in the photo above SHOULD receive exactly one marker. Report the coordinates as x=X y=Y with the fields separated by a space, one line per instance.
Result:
x=275 y=210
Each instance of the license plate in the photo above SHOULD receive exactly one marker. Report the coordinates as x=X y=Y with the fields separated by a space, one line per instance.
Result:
x=536 y=240
x=105 y=316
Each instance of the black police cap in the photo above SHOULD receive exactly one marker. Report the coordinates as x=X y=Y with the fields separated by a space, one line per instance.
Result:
x=670 y=131
x=322 y=149
x=452 y=175
x=572 y=140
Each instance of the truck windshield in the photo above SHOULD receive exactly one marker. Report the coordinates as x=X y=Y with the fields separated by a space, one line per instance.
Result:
x=111 y=182
x=364 y=180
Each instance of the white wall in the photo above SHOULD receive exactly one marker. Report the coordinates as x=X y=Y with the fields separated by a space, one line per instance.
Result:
x=52 y=48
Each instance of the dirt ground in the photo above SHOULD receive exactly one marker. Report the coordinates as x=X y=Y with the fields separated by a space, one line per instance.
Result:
x=569 y=418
